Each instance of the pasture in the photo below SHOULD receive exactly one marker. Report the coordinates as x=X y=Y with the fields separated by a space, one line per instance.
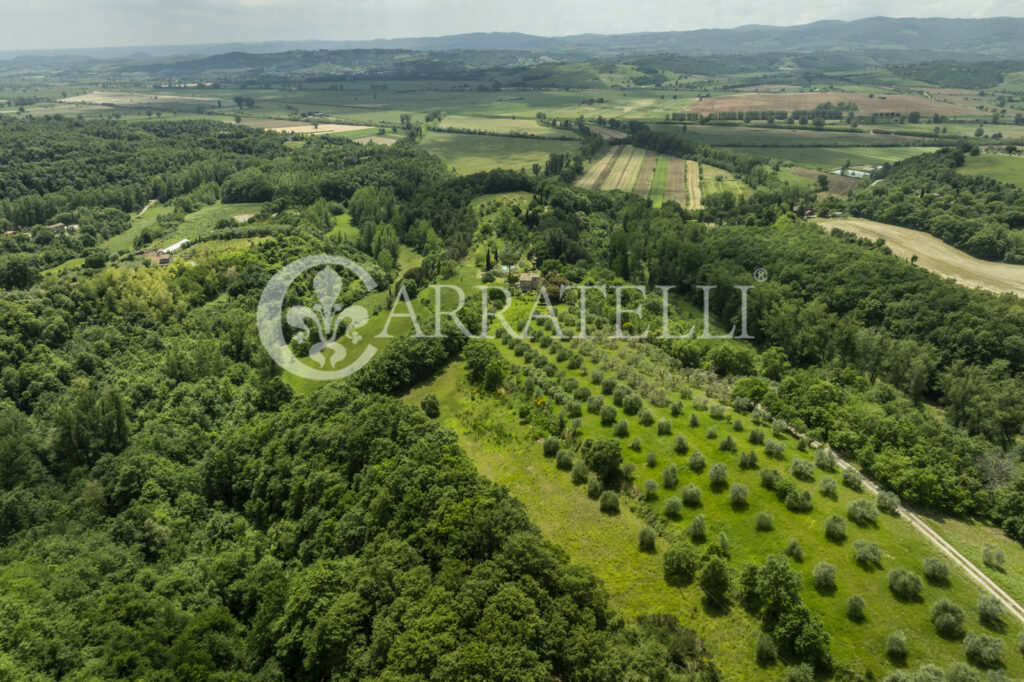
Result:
x=781 y=135
x=714 y=180
x=1002 y=167
x=473 y=153
x=831 y=158
x=937 y=256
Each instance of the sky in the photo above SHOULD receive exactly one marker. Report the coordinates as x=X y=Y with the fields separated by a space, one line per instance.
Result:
x=49 y=24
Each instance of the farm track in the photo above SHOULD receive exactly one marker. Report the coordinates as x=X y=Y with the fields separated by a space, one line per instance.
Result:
x=646 y=177
x=146 y=208
x=693 y=185
x=918 y=524
x=597 y=174
x=675 y=181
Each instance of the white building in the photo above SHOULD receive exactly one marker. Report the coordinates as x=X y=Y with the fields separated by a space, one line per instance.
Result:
x=175 y=247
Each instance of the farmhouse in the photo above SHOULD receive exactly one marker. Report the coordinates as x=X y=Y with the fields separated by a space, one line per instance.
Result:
x=528 y=281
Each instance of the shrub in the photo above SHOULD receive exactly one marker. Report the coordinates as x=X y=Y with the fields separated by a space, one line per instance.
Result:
x=700 y=403
x=636 y=444
x=581 y=394
x=697 y=530
x=983 y=651
x=574 y=409
x=727 y=445
x=794 y=551
x=696 y=462
x=824 y=459
x=717 y=411
x=824 y=577
x=896 y=646
x=774 y=448
x=627 y=470
x=608 y=415
x=694 y=421
x=714 y=579
x=621 y=428
x=738 y=495
x=681 y=445
x=593 y=487
x=867 y=553
x=803 y=443
x=763 y=522
x=647 y=539
x=664 y=427
x=936 y=570
x=990 y=611
x=719 y=475
x=430 y=406
x=993 y=557
x=594 y=404
x=958 y=672
x=769 y=479
x=756 y=436
x=800 y=673
x=852 y=479
x=799 y=501
x=580 y=472
x=691 y=495
x=737 y=425
x=862 y=512
x=888 y=502
x=905 y=585
x=680 y=564
x=608 y=385
x=551 y=446
x=676 y=409
x=802 y=469
x=855 y=608
x=835 y=528
x=766 y=653
x=632 y=404
x=779 y=427
x=827 y=487
x=748 y=460
x=673 y=507
x=619 y=395
x=1020 y=643
x=609 y=502
x=723 y=544
x=564 y=460
x=575 y=362
x=651 y=460
x=670 y=477
x=650 y=489
x=711 y=433
x=646 y=417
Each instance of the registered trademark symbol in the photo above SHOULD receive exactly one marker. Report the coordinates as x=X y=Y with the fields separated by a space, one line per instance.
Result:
x=761 y=275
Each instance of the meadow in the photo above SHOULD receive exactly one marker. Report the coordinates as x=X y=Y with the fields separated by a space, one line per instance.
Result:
x=831 y=158
x=1002 y=167
x=473 y=153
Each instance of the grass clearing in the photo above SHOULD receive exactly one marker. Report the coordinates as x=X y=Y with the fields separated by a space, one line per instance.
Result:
x=1002 y=167
x=831 y=158
x=715 y=180
x=936 y=255
x=473 y=153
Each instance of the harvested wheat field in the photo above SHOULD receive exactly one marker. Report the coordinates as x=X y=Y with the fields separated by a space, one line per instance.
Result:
x=937 y=256
x=693 y=184
x=646 y=176
x=805 y=101
x=128 y=99
x=376 y=139
x=321 y=129
x=608 y=133
x=675 y=181
x=626 y=169
x=598 y=171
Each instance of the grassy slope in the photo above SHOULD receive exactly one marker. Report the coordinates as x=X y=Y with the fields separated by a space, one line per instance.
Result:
x=512 y=458
x=830 y=158
x=719 y=180
x=1002 y=167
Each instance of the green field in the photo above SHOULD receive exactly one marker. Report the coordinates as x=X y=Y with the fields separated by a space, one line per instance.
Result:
x=473 y=153
x=523 y=126
x=658 y=183
x=1002 y=167
x=782 y=135
x=830 y=158
x=720 y=180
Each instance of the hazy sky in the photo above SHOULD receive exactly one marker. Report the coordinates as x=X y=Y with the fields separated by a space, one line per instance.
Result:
x=28 y=24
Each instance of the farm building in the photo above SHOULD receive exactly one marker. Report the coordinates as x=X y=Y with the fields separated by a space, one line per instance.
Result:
x=850 y=173
x=528 y=281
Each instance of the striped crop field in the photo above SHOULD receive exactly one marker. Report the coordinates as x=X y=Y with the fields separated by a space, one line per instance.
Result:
x=626 y=169
x=675 y=181
x=597 y=174
x=646 y=177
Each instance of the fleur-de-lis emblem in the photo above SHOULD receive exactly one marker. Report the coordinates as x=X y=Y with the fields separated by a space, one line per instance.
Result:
x=328 y=318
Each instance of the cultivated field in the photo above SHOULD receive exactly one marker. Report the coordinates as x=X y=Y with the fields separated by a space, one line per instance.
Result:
x=473 y=153
x=627 y=167
x=658 y=180
x=694 y=193
x=675 y=181
x=839 y=185
x=646 y=177
x=597 y=174
x=782 y=135
x=937 y=256
x=501 y=124
x=831 y=158
x=803 y=101
x=125 y=99
x=309 y=128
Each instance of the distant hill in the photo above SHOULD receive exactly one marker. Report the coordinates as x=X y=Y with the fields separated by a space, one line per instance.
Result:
x=995 y=38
